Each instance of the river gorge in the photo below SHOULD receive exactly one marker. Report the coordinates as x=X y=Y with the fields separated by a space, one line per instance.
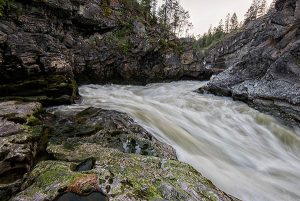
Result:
x=246 y=153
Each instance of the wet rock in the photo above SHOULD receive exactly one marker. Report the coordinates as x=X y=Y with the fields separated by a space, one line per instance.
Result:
x=9 y=128
x=104 y=128
x=85 y=165
x=98 y=162
x=12 y=110
x=20 y=131
x=120 y=177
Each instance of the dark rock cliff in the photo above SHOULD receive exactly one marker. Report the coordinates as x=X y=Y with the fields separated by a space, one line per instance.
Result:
x=47 y=46
x=261 y=63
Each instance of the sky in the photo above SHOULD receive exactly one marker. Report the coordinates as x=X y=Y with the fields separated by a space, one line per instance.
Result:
x=206 y=12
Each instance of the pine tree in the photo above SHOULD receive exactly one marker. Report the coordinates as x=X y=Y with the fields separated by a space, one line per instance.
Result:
x=272 y=6
x=219 y=30
x=220 y=27
x=262 y=8
x=153 y=7
x=227 y=23
x=234 y=23
x=210 y=31
x=252 y=12
x=173 y=16
x=148 y=8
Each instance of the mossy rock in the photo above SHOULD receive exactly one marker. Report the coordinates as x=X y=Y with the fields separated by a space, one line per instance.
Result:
x=121 y=177
x=104 y=128
x=20 y=141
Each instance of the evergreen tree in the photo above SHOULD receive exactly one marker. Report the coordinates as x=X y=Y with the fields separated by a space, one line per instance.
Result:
x=221 y=26
x=227 y=23
x=262 y=8
x=272 y=6
x=252 y=12
x=257 y=9
x=210 y=31
x=148 y=8
x=173 y=16
x=234 y=23
x=153 y=7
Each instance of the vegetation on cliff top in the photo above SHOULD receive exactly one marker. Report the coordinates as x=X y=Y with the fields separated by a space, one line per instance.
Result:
x=231 y=25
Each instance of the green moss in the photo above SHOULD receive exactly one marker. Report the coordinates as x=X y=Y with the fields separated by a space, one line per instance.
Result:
x=69 y=145
x=4 y=4
x=209 y=196
x=50 y=173
x=106 y=7
x=120 y=37
x=32 y=121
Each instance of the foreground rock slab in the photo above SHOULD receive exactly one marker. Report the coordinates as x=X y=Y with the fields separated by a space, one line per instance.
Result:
x=119 y=177
x=106 y=152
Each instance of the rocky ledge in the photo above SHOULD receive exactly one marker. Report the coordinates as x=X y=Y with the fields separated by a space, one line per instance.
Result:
x=89 y=154
x=261 y=63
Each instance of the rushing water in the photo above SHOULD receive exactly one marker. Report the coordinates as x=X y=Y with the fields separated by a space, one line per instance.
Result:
x=244 y=152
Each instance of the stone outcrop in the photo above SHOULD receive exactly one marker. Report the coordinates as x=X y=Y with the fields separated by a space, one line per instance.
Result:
x=261 y=63
x=46 y=46
x=90 y=153
x=20 y=142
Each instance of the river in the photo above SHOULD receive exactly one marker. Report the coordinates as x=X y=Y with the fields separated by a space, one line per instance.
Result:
x=244 y=152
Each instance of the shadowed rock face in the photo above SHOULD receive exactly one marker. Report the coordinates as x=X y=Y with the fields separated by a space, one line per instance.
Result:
x=46 y=45
x=261 y=63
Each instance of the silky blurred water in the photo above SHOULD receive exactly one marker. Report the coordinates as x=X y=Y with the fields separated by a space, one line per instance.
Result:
x=244 y=152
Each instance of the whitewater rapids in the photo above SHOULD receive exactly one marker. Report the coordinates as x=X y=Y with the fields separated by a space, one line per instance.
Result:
x=244 y=152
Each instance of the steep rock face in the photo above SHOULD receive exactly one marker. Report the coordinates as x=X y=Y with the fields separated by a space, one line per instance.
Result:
x=262 y=63
x=46 y=45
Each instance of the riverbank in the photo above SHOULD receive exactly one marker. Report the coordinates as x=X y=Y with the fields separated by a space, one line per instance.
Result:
x=47 y=154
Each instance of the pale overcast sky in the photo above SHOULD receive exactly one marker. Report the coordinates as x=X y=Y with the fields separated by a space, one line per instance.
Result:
x=206 y=12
